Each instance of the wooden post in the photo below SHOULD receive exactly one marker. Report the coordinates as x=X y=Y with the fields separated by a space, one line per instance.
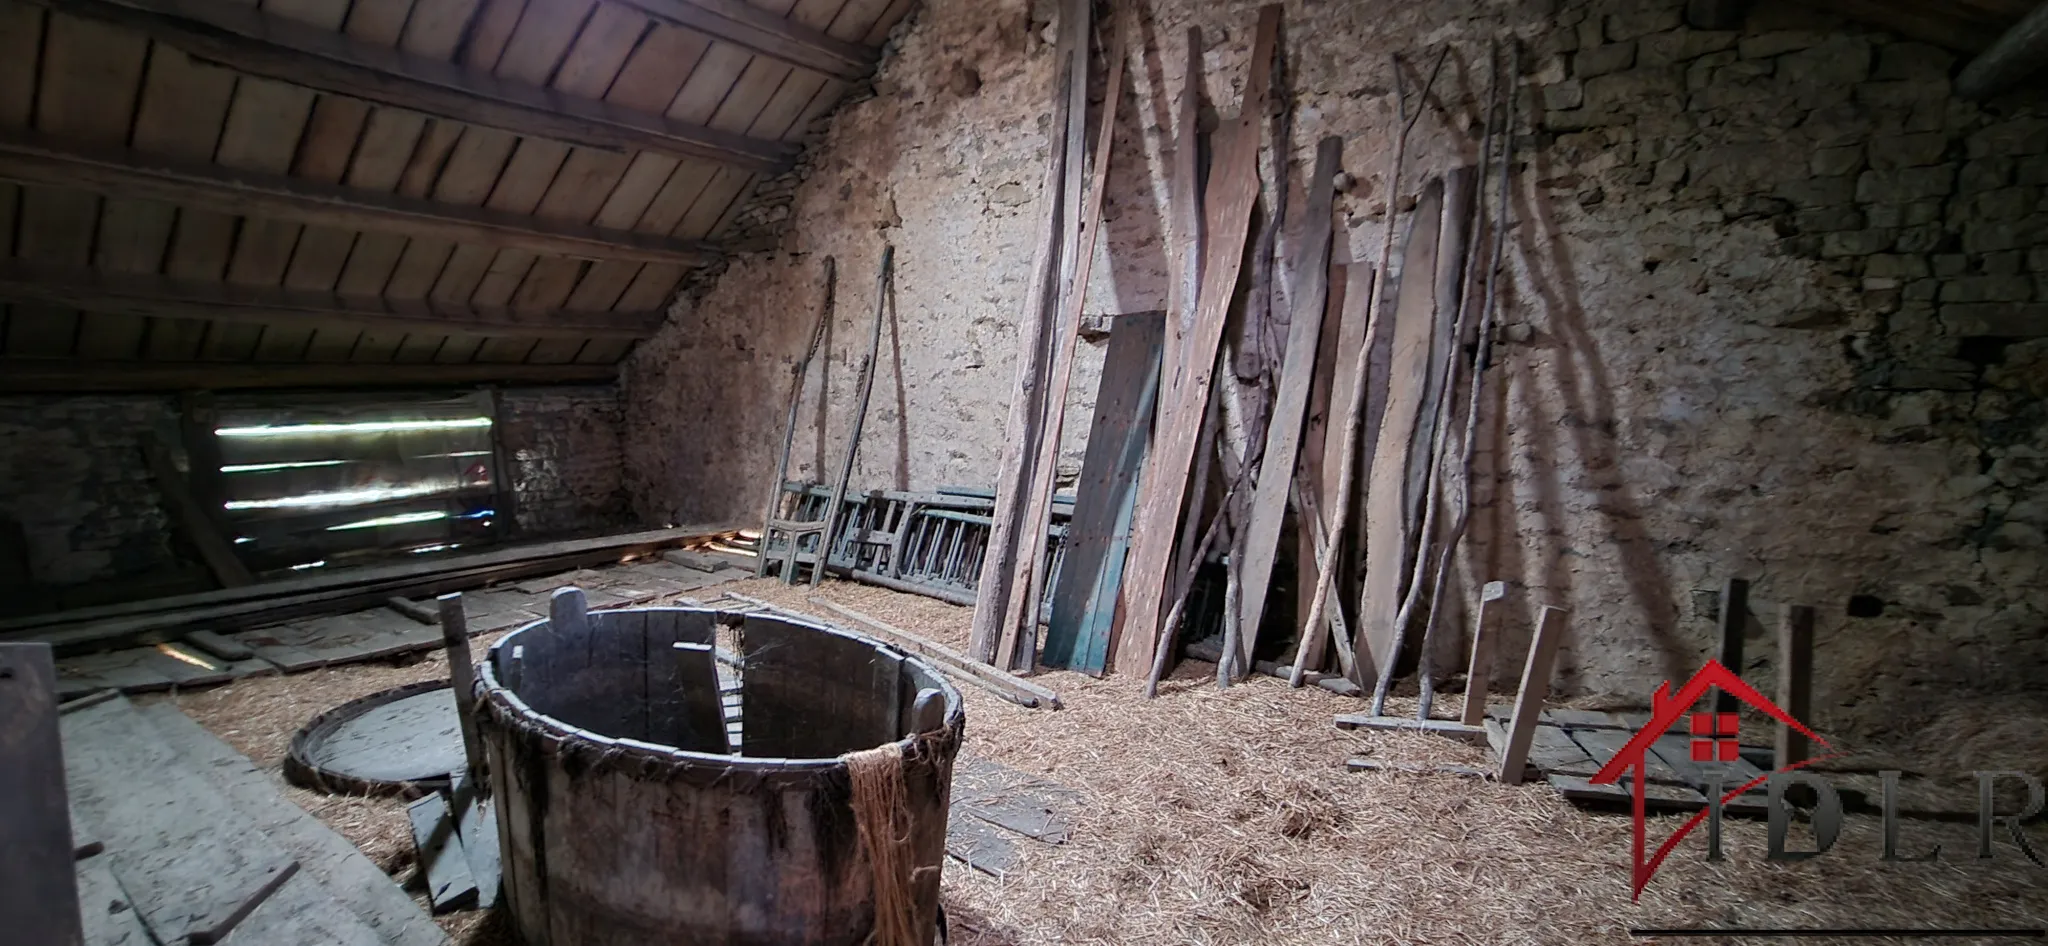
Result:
x=1479 y=677
x=868 y=370
x=462 y=679
x=798 y=374
x=1795 y=682
x=1734 y=622
x=192 y=518
x=1535 y=687
x=2017 y=54
x=38 y=886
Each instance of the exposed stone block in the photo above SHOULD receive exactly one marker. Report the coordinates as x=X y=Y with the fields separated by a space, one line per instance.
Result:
x=1897 y=266
x=1564 y=95
x=1999 y=319
x=1892 y=152
x=1910 y=60
x=1905 y=184
x=1950 y=264
x=1946 y=374
x=2033 y=171
x=1983 y=174
x=2037 y=259
x=1922 y=239
x=1993 y=235
x=1831 y=162
x=1766 y=45
x=1602 y=60
x=1663 y=49
x=1819 y=191
x=1988 y=289
x=1834 y=62
x=1828 y=219
x=2019 y=136
x=1855 y=243
x=1625 y=26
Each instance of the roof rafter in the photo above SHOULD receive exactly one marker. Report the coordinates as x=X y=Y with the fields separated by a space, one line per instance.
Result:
x=242 y=38
x=32 y=159
x=750 y=27
x=67 y=375
x=159 y=297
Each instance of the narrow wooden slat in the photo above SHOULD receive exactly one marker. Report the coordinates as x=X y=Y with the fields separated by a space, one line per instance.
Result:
x=38 y=162
x=1795 y=683
x=38 y=890
x=682 y=684
x=1535 y=687
x=1479 y=676
x=749 y=26
x=1233 y=187
x=1734 y=626
x=60 y=374
x=1277 y=474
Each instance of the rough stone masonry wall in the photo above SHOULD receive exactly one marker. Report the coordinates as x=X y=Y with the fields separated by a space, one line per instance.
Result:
x=567 y=461
x=1777 y=306
x=73 y=478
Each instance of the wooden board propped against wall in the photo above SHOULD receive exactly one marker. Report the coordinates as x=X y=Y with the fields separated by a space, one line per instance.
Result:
x=1105 y=499
x=1387 y=528
x=1233 y=187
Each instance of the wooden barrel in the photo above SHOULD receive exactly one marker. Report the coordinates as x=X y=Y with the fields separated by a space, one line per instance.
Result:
x=625 y=816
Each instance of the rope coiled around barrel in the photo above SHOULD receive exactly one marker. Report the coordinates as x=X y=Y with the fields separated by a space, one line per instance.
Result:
x=881 y=814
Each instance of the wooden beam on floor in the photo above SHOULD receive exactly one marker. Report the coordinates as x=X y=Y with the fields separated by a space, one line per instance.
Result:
x=160 y=297
x=240 y=37
x=753 y=28
x=37 y=375
x=34 y=159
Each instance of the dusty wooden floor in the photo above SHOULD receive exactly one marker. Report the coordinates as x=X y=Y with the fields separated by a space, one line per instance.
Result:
x=1228 y=817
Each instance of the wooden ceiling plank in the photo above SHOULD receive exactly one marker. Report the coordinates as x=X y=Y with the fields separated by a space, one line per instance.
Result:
x=419 y=349
x=502 y=278
x=29 y=159
x=378 y=22
x=879 y=33
x=21 y=375
x=650 y=290
x=332 y=345
x=21 y=40
x=602 y=351
x=435 y=28
x=554 y=351
x=600 y=288
x=504 y=351
x=282 y=344
x=458 y=349
x=325 y=155
x=762 y=28
x=465 y=271
x=184 y=109
x=375 y=347
x=152 y=296
x=515 y=98
x=600 y=51
x=548 y=285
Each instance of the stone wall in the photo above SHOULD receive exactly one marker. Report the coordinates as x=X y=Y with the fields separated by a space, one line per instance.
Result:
x=564 y=447
x=1776 y=306
x=73 y=478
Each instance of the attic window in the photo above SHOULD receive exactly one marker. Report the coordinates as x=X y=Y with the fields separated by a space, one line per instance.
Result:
x=317 y=484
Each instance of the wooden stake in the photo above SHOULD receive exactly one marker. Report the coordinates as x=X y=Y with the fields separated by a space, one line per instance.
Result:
x=1734 y=623
x=462 y=680
x=798 y=373
x=868 y=370
x=1795 y=683
x=1535 y=687
x=1479 y=676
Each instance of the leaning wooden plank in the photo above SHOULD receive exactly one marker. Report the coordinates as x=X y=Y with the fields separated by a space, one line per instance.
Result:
x=1535 y=686
x=994 y=614
x=1387 y=524
x=259 y=800
x=1077 y=251
x=108 y=916
x=1276 y=478
x=957 y=665
x=1795 y=683
x=38 y=892
x=476 y=825
x=33 y=159
x=1233 y=187
x=435 y=842
x=250 y=41
x=193 y=522
x=223 y=647
x=1479 y=675
x=194 y=865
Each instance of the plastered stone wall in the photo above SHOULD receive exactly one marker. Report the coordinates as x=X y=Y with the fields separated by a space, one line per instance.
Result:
x=1775 y=308
x=73 y=479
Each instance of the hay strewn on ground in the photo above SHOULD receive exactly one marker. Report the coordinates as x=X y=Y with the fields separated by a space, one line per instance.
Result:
x=1214 y=817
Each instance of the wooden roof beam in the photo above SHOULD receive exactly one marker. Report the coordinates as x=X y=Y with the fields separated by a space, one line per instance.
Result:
x=240 y=37
x=159 y=297
x=1961 y=27
x=33 y=159
x=65 y=375
x=750 y=27
x=2020 y=53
